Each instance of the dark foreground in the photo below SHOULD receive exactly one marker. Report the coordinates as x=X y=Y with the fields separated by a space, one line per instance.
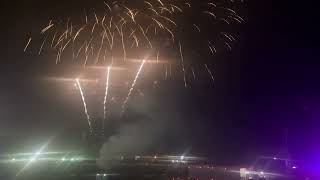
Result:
x=89 y=171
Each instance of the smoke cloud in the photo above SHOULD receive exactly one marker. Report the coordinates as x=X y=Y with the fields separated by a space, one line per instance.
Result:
x=141 y=131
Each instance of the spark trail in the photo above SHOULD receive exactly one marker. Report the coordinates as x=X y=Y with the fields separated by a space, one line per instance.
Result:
x=84 y=103
x=209 y=71
x=132 y=86
x=182 y=64
x=106 y=93
x=28 y=43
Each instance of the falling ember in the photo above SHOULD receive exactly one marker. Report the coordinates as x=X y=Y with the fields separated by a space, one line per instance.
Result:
x=158 y=57
x=166 y=74
x=193 y=73
x=228 y=45
x=161 y=2
x=47 y=28
x=182 y=64
x=40 y=50
x=28 y=43
x=132 y=86
x=197 y=27
x=106 y=93
x=210 y=13
x=84 y=103
x=212 y=48
x=209 y=71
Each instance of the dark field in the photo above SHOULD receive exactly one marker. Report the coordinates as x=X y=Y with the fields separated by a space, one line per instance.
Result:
x=88 y=171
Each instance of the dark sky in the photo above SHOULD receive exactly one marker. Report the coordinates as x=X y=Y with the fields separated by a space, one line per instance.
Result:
x=268 y=83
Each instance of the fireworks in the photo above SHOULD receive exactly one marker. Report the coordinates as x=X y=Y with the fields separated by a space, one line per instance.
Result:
x=84 y=103
x=182 y=64
x=146 y=27
x=187 y=34
x=132 y=86
x=209 y=72
x=28 y=43
x=106 y=93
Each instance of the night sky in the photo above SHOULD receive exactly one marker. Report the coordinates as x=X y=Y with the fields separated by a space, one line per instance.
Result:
x=267 y=84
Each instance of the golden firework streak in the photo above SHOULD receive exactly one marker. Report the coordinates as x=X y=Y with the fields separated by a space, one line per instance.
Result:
x=84 y=103
x=132 y=86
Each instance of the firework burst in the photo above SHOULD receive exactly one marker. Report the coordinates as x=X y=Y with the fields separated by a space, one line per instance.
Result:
x=187 y=34
x=129 y=30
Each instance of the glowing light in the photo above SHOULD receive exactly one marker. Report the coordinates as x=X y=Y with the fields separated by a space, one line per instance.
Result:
x=182 y=64
x=294 y=167
x=210 y=73
x=63 y=159
x=84 y=103
x=137 y=157
x=106 y=93
x=132 y=86
x=28 y=43
x=182 y=157
x=35 y=156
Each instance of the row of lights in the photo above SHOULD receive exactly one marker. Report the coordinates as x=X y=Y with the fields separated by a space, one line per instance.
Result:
x=62 y=159
x=72 y=159
x=155 y=157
